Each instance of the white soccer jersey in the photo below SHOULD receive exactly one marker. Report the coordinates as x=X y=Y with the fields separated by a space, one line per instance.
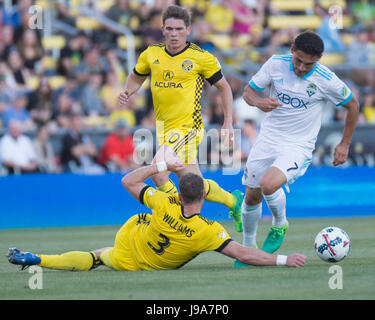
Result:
x=298 y=120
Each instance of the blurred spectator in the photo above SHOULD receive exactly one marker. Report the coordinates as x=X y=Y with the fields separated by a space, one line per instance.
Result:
x=17 y=11
x=215 y=113
x=148 y=121
x=120 y=12
x=117 y=151
x=244 y=16
x=369 y=107
x=65 y=12
x=5 y=93
x=220 y=16
x=201 y=30
x=16 y=111
x=16 y=151
x=70 y=88
x=339 y=114
x=40 y=102
x=25 y=17
x=91 y=101
x=372 y=46
x=7 y=41
x=248 y=136
x=92 y=62
x=127 y=114
x=30 y=49
x=110 y=91
x=78 y=152
x=282 y=38
x=17 y=70
x=364 y=11
x=116 y=66
x=329 y=35
x=45 y=155
x=72 y=54
x=152 y=32
x=359 y=60
x=62 y=111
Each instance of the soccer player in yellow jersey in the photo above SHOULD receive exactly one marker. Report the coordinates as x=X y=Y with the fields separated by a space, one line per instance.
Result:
x=178 y=69
x=174 y=234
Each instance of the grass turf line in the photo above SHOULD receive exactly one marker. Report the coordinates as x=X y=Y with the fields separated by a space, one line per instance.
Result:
x=209 y=276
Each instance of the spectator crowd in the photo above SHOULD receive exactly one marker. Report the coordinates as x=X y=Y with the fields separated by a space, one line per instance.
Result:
x=42 y=94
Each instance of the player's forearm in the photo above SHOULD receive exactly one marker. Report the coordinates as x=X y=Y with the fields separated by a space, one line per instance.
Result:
x=133 y=83
x=251 y=97
x=350 y=122
x=138 y=176
x=133 y=182
x=227 y=100
x=256 y=257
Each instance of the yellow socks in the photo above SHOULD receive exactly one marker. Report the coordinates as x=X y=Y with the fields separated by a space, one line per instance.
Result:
x=217 y=194
x=72 y=261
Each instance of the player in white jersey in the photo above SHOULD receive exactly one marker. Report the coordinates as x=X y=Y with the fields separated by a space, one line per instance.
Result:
x=299 y=88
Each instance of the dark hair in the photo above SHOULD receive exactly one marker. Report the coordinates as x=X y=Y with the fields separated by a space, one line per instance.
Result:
x=191 y=188
x=177 y=12
x=310 y=43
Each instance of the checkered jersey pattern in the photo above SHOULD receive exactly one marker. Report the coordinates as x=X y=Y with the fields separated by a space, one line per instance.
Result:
x=197 y=118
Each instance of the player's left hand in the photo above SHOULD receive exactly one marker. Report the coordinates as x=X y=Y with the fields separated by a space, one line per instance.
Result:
x=228 y=134
x=340 y=154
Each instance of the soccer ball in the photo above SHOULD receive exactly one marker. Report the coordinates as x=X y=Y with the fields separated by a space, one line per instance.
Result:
x=332 y=244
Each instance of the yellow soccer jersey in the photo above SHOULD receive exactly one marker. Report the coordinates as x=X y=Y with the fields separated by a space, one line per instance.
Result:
x=167 y=239
x=176 y=83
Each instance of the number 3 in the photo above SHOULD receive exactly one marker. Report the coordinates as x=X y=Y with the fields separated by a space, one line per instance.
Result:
x=162 y=245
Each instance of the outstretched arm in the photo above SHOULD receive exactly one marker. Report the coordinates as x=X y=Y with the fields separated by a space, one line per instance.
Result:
x=258 y=257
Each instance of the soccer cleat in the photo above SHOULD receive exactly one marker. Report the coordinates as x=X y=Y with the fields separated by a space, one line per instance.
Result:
x=239 y=264
x=24 y=259
x=235 y=212
x=275 y=238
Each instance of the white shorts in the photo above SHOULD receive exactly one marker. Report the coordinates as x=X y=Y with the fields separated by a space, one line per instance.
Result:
x=291 y=160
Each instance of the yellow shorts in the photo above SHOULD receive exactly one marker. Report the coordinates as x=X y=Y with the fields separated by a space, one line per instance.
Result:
x=121 y=257
x=183 y=141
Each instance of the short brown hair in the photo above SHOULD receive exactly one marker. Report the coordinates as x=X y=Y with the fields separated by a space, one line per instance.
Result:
x=191 y=188
x=177 y=12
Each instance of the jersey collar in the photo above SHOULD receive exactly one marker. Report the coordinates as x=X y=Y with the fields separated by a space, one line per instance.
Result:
x=291 y=68
x=193 y=215
x=177 y=53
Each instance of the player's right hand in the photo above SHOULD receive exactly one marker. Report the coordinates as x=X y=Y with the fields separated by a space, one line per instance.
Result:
x=123 y=98
x=268 y=104
x=175 y=164
x=296 y=260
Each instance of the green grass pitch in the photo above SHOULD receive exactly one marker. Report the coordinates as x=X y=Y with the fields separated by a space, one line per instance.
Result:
x=209 y=276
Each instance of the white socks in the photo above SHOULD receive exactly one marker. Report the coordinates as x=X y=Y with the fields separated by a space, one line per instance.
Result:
x=250 y=219
x=251 y=215
x=276 y=203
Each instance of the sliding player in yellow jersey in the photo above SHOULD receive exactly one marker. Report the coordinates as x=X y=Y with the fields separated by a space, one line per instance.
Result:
x=174 y=234
x=178 y=69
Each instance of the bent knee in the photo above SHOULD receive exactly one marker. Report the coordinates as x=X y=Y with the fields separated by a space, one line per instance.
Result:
x=253 y=196
x=269 y=188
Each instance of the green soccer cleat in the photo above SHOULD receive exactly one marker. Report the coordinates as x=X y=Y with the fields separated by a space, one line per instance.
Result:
x=239 y=264
x=275 y=238
x=235 y=212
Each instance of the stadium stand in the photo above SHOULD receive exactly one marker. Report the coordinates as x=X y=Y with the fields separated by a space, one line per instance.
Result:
x=78 y=39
